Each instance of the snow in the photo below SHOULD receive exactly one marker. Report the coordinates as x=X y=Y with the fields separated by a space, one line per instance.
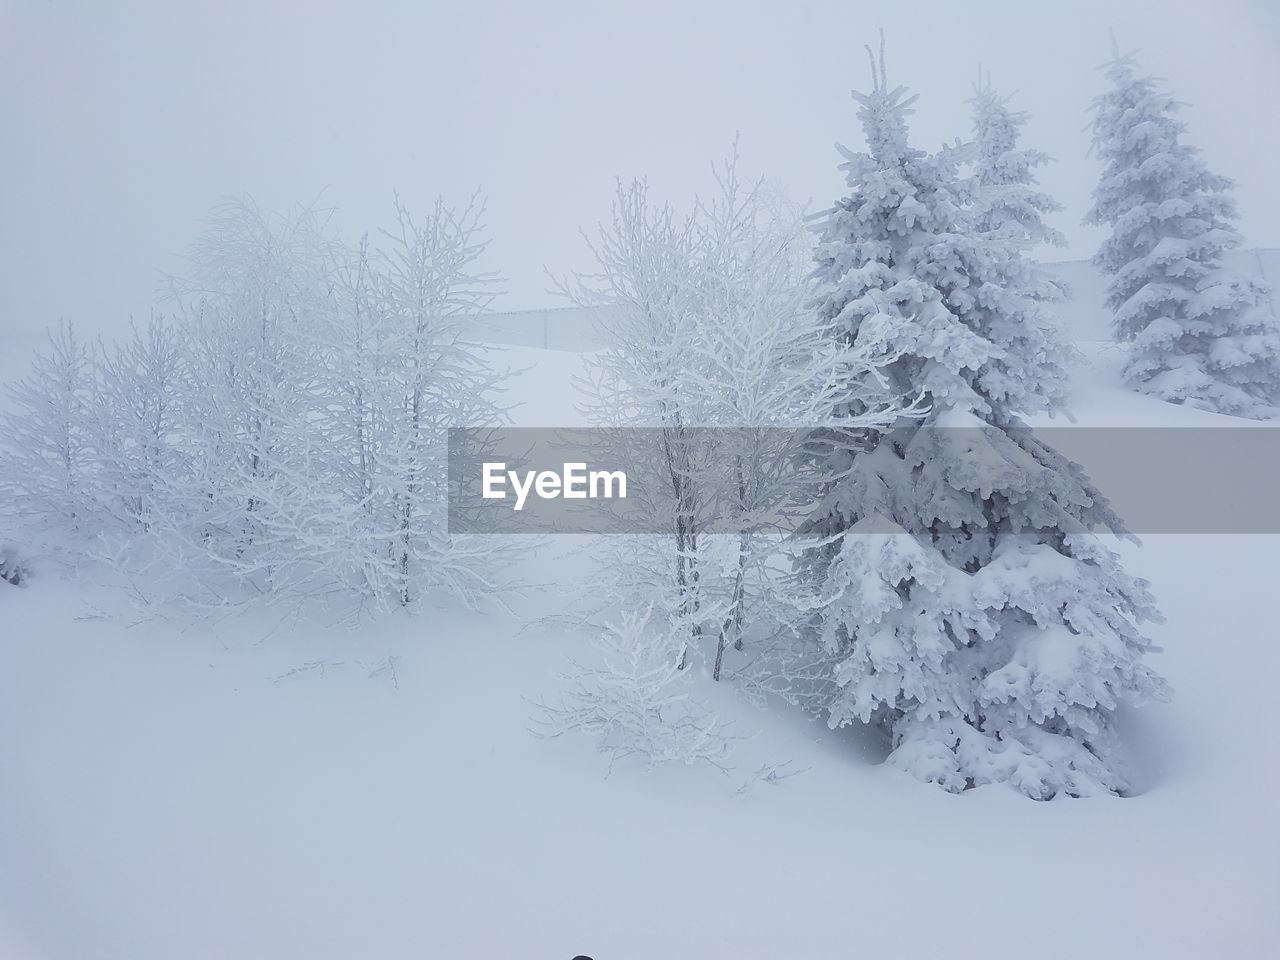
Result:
x=166 y=791
x=1099 y=399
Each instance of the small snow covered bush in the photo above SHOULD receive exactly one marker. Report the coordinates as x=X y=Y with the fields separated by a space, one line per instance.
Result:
x=637 y=700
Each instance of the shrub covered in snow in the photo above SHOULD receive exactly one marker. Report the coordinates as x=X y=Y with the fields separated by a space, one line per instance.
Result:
x=637 y=700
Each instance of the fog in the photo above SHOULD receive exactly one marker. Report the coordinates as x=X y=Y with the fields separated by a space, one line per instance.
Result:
x=124 y=122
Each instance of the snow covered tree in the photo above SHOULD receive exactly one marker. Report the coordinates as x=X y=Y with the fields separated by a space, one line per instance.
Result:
x=1196 y=334
x=963 y=599
x=637 y=700
x=763 y=362
x=707 y=328
x=1006 y=196
x=1008 y=206
x=649 y=287
x=256 y=285
x=286 y=437
x=285 y=434
x=48 y=462
x=135 y=421
x=399 y=371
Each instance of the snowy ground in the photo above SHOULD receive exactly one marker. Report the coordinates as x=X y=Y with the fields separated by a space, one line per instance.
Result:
x=163 y=796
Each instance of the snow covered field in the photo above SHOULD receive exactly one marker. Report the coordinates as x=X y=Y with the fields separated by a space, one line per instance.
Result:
x=268 y=788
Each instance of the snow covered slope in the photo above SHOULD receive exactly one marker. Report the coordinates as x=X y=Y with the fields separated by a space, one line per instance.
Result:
x=263 y=787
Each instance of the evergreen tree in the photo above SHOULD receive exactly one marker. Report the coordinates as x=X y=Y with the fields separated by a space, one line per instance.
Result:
x=965 y=602
x=1196 y=334
x=1008 y=206
x=1004 y=173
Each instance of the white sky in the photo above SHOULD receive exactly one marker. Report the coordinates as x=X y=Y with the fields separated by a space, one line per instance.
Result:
x=123 y=123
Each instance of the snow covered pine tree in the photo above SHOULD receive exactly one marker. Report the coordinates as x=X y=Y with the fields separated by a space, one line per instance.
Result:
x=965 y=602
x=1006 y=198
x=1007 y=206
x=1196 y=335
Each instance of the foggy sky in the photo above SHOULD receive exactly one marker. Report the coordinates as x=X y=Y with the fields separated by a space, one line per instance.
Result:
x=123 y=123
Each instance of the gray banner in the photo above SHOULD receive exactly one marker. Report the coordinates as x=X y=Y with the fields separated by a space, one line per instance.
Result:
x=726 y=480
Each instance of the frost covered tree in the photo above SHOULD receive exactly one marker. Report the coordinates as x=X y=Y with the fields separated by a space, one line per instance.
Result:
x=707 y=328
x=1007 y=199
x=316 y=386
x=763 y=362
x=86 y=445
x=637 y=700
x=963 y=600
x=1008 y=206
x=136 y=420
x=398 y=372
x=1196 y=334
x=48 y=462
x=284 y=434
x=648 y=284
x=256 y=285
